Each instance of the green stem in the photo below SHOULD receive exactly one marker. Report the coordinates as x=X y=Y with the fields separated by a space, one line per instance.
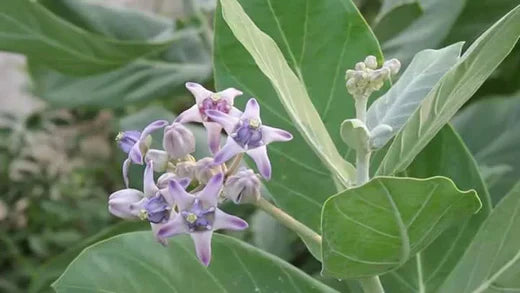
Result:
x=372 y=284
x=234 y=164
x=288 y=221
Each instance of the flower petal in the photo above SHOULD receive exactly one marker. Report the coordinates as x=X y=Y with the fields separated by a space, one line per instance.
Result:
x=126 y=168
x=259 y=155
x=209 y=195
x=214 y=131
x=234 y=112
x=270 y=134
x=202 y=241
x=228 y=122
x=190 y=115
x=252 y=110
x=183 y=199
x=158 y=124
x=173 y=227
x=230 y=149
x=155 y=230
x=230 y=94
x=227 y=221
x=122 y=202
x=198 y=91
x=135 y=154
x=149 y=187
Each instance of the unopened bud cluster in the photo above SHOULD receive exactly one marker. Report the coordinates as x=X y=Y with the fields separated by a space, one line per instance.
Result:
x=366 y=78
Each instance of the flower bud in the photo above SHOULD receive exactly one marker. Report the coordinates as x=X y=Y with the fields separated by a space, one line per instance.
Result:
x=371 y=62
x=205 y=169
x=125 y=203
x=360 y=66
x=178 y=140
x=393 y=64
x=159 y=158
x=243 y=187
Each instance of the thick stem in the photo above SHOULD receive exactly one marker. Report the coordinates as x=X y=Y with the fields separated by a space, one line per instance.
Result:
x=288 y=221
x=361 y=108
x=372 y=285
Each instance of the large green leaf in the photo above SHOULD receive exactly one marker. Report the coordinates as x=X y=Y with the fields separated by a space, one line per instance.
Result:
x=427 y=31
x=452 y=91
x=135 y=262
x=492 y=262
x=398 y=104
x=144 y=79
x=301 y=179
x=447 y=156
x=494 y=140
x=28 y=28
x=378 y=227
x=51 y=270
x=394 y=16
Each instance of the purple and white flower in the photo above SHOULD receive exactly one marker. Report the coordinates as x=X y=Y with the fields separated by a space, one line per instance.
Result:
x=136 y=144
x=153 y=204
x=178 y=141
x=207 y=100
x=246 y=134
x=199 y=216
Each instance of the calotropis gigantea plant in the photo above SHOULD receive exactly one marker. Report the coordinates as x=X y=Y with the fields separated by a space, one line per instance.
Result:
x=409 y=214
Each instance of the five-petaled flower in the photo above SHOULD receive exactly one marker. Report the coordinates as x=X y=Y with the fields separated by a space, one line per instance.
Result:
x=136 y=144
x=207 y=100
x=153 y=204
x=247 y=134
x=199 y=216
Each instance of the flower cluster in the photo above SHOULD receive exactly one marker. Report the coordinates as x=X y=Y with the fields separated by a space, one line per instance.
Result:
x=185 y=197
x=367 y=78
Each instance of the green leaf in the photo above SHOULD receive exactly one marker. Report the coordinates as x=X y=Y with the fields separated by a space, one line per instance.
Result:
x=28 y=28
x=354 y=133
x=476 y=17
x=404 y=97
x=492 y=262
x=427 y=31
x=452 y=91
x=51 y=270
x=376 y=228
x=141 y=80
x=428 y=270
x=301 y=179
x=135 y=262
x=494 y=140
x=395 y=16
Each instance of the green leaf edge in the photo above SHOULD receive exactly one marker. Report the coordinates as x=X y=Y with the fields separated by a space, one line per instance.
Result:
x=473 y=192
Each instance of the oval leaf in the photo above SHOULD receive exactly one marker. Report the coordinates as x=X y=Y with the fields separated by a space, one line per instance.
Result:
x=135 y=262
x=376 y=228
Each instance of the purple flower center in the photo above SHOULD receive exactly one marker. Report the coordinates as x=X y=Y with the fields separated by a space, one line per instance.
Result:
x=248 y=133
x=127 y=139
x=213 y=103
x=157 y=209
x=197 y=218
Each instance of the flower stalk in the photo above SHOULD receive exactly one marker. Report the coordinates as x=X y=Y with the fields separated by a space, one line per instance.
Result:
x=288 y=221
